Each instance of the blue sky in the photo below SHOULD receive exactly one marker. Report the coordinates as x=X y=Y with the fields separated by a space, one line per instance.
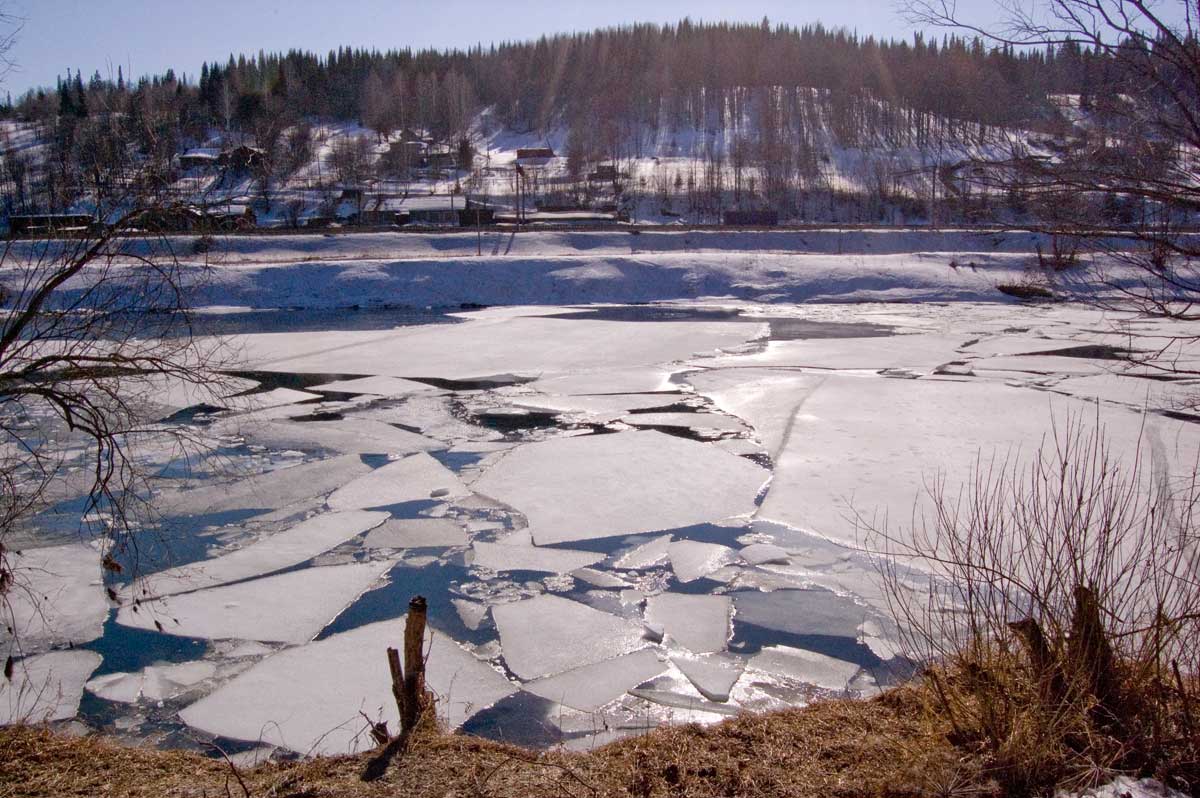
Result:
x=147 y=36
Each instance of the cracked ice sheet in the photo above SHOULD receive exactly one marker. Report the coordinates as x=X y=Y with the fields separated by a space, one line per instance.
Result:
x=764 y=399
x=547 y=635
x=597 y=486
x=266 y=491
x=46 y=687
x=647 y=380
x=308 y=699
x=707 y=422
x=288 y=608
x=487 y=346
x=869 y=446
x=592 y=686
x=1132 y=391
x=413 y=478
x=57 y=597
x=277 y=397
x=350 y=436
x=375 y=386
x=918 y=352
x=292 y=546
x=506 y=557
x=603 y=408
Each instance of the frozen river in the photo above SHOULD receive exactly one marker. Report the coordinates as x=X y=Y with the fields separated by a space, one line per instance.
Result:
x=620 y=515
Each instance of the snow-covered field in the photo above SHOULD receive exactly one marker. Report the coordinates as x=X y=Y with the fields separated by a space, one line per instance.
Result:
x=620 y=515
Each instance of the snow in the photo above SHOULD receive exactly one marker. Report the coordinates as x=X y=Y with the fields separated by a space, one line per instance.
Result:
x=46 y=687
x=307 y=699
x=1125 y=787
x=592 y=686
x=413 y=478
x=547 y=635
x=599 y=486
x=713 y=677
x=698 y=623
x=805 y=666
x=416 y=533
x=284 y=549
x=505 y=557
x=692 y=560
x=288 y=608
x=57 y=597
x=269 y=490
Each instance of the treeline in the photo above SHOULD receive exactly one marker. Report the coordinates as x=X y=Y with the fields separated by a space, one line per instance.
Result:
x=771 y=96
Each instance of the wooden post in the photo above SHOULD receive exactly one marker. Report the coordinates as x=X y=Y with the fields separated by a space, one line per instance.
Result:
x=393 y=658
x=408 y=687
x=414 y=664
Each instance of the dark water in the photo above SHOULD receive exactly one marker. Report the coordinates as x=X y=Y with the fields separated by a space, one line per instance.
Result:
x=782 y=329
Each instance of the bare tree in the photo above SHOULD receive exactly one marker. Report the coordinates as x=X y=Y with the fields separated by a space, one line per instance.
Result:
x=94 y=329
x=1137 y=153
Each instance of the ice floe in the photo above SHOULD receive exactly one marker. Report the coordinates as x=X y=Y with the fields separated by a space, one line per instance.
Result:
x=651 y=553
x=266 y=491
x=46 y=687
x=350 y=436
x=714 y=676
x=413 y=478
x=698 y=623
x=805 y=666
x=309 y=699
x=502 y=557
x=691 y=560
x=153 y=683
x=376 y=386
x=275 y=552
x=592 y=686
x=598 y=486
x=57 y=597
x=288 y=608
x=547 y=635
x=416 y=533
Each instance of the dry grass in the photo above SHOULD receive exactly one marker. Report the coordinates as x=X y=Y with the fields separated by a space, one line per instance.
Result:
x=889 y=746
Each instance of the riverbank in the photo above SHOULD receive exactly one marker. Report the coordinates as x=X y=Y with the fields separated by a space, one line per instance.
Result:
x=889 y=745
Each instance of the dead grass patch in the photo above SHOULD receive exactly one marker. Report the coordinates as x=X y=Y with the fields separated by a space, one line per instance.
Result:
x=888 y=746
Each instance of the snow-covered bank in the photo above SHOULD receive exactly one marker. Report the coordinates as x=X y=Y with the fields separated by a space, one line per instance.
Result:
x=537 y=268
x=756 y=277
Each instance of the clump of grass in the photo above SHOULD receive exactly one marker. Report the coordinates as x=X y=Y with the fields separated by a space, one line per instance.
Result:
x=1062 y=617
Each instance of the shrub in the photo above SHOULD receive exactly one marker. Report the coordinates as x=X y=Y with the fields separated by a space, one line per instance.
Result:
x=1061 y=625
